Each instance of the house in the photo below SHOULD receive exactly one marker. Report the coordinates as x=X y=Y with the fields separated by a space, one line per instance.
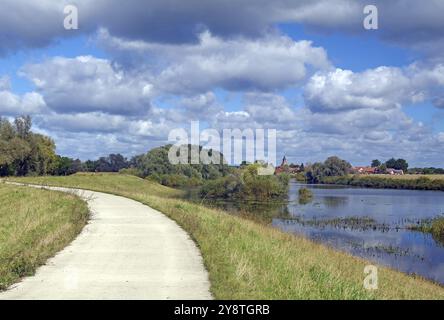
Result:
x=364 y=170
x=392 y=171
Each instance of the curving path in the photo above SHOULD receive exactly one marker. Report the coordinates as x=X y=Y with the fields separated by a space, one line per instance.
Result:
x=127 y=251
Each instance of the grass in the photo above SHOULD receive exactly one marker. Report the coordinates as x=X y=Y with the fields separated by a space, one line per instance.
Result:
x=248 y=260
x=435 y=227
x=408 y=181
x=34 y=225
x=351 y=223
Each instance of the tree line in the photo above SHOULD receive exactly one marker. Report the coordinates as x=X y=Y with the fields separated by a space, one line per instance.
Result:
x=24 y=153
x=397 y=164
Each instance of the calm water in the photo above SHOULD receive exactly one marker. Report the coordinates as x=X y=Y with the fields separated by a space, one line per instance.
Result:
x=370 y=223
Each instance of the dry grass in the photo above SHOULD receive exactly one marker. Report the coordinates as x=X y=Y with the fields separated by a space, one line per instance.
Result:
x=34 y=225
x=247 y=260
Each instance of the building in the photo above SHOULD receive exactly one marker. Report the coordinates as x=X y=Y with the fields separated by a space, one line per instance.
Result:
x=371 y=170
x=392 y=171
x=286 y=168
x=364 y=170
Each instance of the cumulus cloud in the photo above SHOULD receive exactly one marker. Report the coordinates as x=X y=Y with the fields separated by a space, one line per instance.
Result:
x=272 y=62
x=37 y=23
x=200 y=107
x=14 y=105
x=188 y=50
x=269 y=109
x=382 y=88
x=93 y=122
x=30 y=23
x=87 y=84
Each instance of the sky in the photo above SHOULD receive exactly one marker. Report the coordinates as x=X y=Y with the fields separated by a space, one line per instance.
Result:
x=309 y=69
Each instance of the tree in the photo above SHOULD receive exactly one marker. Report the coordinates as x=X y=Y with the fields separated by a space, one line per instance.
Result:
x=331 y=167
x=23 y=152
x=376 y=163
x=156 y=162
x=23 y=126
x=117 y=162
x=337 y=167
x=398 y=164
x=66 y=166
x=401 y=164
x=391 y=163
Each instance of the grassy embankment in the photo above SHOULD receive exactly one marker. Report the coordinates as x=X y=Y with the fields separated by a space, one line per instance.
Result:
x=34 y=225
x=247 y=260
x=408 y=181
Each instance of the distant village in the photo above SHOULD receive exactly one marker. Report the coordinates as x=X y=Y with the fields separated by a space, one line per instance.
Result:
x=376 y=170
x=284 y=167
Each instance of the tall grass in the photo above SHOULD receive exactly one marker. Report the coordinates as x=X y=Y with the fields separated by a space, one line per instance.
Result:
x=413 y=182
x=435 y=227
x=34 y=225
x=247 y=260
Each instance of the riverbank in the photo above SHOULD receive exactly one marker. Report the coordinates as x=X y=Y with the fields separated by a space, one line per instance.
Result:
x=410 y=182
x=247 y=260
x=35 y=225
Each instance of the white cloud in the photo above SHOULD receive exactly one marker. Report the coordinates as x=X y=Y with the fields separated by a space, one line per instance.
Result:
x=381 y=88
x=234 y=64
x=412 y=23
x=14 y=105
x=87 y=84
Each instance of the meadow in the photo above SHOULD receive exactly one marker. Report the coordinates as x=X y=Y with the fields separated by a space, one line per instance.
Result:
x=249 y=260
x=34 y=225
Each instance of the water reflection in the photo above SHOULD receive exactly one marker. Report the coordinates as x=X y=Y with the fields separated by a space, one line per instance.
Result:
x=334 y=202
x=369 y=223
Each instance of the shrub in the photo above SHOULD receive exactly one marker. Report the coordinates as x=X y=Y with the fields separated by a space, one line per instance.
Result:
x=305 y=195
x=248 y=185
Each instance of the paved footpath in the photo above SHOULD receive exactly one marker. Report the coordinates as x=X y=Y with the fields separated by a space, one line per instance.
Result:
x=127 y=251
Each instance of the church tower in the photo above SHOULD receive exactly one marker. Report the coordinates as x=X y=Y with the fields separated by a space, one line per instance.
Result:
x=284 y=162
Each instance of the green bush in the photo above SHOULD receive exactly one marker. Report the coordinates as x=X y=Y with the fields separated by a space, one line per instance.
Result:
x=247 y=184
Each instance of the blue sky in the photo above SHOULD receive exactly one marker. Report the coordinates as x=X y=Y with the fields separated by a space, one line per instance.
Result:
x=129 y=76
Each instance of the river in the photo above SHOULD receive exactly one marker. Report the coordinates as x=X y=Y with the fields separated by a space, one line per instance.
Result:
x=369 y=223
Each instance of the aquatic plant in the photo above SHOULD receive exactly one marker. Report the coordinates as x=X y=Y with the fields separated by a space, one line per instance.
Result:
x=305 y=196
x=433 y=226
